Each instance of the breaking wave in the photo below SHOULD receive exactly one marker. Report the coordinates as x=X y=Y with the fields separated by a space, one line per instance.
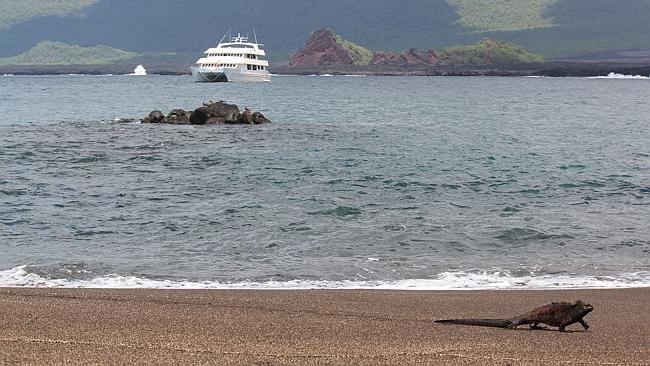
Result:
x=139 y=71
x=613 y=75
x=22 y=276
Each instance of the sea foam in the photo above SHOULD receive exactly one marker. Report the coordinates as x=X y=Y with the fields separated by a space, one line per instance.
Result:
x=139 y=71
x=20 y=276
x=613 y=75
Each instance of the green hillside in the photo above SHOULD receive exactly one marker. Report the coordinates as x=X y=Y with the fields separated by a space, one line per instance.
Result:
x=360 y=55
x=16 y=11
x=57 y=53
x=488 y=52
x=503 y=15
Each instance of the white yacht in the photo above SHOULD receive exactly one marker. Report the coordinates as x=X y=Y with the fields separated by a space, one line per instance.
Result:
x=237 y=60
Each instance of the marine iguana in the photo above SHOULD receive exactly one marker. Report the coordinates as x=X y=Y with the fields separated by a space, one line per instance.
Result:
x=555 y=314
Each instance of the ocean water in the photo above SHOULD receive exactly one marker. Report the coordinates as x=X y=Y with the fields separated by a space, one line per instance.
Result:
x=359 y=182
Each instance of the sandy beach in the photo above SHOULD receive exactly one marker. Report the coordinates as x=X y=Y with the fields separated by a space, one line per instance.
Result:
x=311 y=327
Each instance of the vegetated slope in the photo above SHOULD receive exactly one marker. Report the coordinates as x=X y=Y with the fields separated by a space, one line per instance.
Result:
x=359 y=55
x=16 y=11
x=549 y=27
x=488 y=52
x=504 y=15
x=57 y=53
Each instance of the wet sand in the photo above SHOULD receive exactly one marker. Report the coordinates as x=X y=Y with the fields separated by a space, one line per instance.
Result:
x=311 y=327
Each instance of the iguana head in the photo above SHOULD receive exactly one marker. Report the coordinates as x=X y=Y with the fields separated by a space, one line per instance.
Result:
x=582 y=307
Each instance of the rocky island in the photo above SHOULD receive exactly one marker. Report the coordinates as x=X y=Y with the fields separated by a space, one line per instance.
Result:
x=210 y=113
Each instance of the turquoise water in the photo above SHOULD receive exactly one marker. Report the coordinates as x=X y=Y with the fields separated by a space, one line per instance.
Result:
x=399 y=182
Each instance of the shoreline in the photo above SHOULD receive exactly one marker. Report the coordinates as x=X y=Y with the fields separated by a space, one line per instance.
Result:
x=23 y=276
x=560 y=68
x=311 y=327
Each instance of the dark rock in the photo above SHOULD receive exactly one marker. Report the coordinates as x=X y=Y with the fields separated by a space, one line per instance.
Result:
x=177 y=113
x=258 y=118
x=246 y=118
x=154 y=117
x=178 y=117
x=199 y=116
x=221 y=112
x=210 y=113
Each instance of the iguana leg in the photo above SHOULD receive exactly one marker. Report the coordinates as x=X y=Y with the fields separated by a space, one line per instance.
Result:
x=535 y=326
x=584 y=324
x=562 y=328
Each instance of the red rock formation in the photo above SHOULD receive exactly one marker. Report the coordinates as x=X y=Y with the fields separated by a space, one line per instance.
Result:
x=321 y=49
x=409 y=58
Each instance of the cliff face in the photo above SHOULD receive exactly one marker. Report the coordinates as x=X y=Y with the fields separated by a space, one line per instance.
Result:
x=409 y=58
x=321 y=49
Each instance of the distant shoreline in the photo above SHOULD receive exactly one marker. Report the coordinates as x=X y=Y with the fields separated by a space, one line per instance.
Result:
x=549 y=69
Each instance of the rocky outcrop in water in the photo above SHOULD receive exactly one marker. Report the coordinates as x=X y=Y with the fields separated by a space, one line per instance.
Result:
x=210 y=113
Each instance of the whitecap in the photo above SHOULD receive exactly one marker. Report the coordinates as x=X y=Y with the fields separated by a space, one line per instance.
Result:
x=20 y=276
x=613 y=75
x=139 y=71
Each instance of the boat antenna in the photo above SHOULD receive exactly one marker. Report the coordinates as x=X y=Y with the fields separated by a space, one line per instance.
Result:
x=224 y=36
x=255 y=34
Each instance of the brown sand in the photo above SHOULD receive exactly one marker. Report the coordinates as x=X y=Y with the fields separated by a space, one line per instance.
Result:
x=230 y=327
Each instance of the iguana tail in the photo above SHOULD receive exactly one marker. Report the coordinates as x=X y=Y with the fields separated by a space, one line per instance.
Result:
x=499 y=323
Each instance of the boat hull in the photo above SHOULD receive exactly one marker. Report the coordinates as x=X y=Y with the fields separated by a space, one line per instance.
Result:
x=200 y=74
